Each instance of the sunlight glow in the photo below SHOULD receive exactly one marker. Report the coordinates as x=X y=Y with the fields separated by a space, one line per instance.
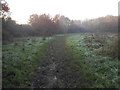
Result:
x=74 y=9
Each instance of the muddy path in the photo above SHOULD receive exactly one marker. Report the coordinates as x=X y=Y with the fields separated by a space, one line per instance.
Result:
x=54 y=70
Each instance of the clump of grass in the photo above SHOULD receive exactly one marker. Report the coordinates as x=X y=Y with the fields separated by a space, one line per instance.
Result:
x=106 y=45
x=110 y=50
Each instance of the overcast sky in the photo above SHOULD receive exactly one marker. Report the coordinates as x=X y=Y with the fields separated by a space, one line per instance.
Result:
x=73 y=9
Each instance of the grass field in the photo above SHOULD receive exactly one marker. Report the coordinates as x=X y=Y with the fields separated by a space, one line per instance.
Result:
x=20 y=60
x=91 y=60
x=97 y=57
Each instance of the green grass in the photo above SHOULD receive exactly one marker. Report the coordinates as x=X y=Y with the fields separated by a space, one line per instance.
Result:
x=96 y=57
x=20 y=60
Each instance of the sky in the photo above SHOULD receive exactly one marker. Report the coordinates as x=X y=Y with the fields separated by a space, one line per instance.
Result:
x=73 y=9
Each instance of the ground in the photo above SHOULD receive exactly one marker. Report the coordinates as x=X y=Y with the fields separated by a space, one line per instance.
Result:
x=54 y=71
x=62 y=61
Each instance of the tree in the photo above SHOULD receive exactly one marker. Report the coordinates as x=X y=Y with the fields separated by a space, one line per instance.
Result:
x=4 y=9
x=102 y=24
x=43 y=24
x=62 y=22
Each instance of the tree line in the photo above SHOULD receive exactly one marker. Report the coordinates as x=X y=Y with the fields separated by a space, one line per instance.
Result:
x=44 y=26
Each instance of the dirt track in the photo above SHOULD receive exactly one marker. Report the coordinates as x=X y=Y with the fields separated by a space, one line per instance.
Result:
x=54 y=70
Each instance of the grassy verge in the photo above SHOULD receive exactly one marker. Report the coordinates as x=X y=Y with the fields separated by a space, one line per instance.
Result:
x=96 y=57
x=20 y=60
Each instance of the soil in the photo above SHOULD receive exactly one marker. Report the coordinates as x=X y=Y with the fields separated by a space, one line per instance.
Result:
x=55 y=70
